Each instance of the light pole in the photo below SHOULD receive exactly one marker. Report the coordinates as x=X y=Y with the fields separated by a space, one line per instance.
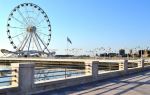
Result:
x=109 y=51
x=141 y=52
x=127 y=52
x=134 y=51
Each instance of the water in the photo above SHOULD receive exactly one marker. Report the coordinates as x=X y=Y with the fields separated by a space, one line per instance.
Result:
x=6 y=78
x=46 y=74
x=51 y=74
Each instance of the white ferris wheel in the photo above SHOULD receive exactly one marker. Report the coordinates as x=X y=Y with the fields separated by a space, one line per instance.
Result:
x=29 y=29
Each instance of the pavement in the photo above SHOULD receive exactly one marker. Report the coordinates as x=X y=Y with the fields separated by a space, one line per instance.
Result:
x=136 y=84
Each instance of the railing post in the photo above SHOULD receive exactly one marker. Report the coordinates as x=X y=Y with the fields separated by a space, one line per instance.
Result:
x=124 y=65
x=24 y=76
x=141 y=63
x=91 y=68
x=95 y=68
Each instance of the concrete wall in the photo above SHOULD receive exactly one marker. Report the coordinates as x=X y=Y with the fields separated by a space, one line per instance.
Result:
x=25 y=78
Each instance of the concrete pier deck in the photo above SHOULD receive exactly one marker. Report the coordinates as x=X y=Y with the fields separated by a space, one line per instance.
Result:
x=136 y=84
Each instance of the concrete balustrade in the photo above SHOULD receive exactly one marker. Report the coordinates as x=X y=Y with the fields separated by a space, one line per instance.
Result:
x=91 y=68
x=123 y=65
x=15 y=80
x=26 y=85
x=141 y=63
x=24 y=79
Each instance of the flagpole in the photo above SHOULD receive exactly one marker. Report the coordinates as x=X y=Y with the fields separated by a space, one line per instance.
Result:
x=68 y=41
x=67 y=47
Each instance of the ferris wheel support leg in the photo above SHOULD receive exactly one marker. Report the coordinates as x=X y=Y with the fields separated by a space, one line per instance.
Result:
x=37 y=43
x=43 y=44
x=29 y=42
x=23 y=42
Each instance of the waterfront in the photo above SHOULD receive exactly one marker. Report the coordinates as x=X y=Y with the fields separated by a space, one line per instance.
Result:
x=55 y=69
x=44 y=72
x=3 y=68
x=53 y=74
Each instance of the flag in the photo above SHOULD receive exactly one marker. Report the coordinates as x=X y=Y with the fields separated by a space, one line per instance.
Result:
x=68 y=40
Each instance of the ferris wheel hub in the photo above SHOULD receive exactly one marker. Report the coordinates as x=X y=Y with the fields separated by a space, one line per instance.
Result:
x=31 y=29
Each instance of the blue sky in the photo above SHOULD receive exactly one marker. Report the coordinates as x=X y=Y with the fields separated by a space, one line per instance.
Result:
x=89 y=23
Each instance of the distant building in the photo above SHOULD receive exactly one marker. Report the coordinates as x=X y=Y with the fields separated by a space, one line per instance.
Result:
x=112 y=54
x=130 y=51
x=57 y=56
x=122 y=52
x=144 y=53
x=104 y=55
x=141 y=52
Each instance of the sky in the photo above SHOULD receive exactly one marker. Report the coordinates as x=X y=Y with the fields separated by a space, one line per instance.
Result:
x=89 y=23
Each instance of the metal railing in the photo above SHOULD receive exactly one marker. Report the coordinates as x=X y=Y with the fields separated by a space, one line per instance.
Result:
x=132 y=64
x=104 y=67
x=107 y=67
x=6 y=77
x=147 y=63
x=58 y=71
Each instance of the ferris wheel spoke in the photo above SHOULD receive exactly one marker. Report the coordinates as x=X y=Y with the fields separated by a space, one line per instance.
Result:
x=40 y=22
x=38 y=27
x=28 y=19
x=18 y=35
x=33 y=11
x=37 y=43
x=16 y=27
x=24 y=42
x=27 y=14
x=30 y=42
x=37 y=16
x=42 y=33
x=33 y=23
x=19 y=21
x=42 y=42
x=23 y=18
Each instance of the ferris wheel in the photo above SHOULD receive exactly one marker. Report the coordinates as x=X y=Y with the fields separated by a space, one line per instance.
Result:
x=29 y=29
